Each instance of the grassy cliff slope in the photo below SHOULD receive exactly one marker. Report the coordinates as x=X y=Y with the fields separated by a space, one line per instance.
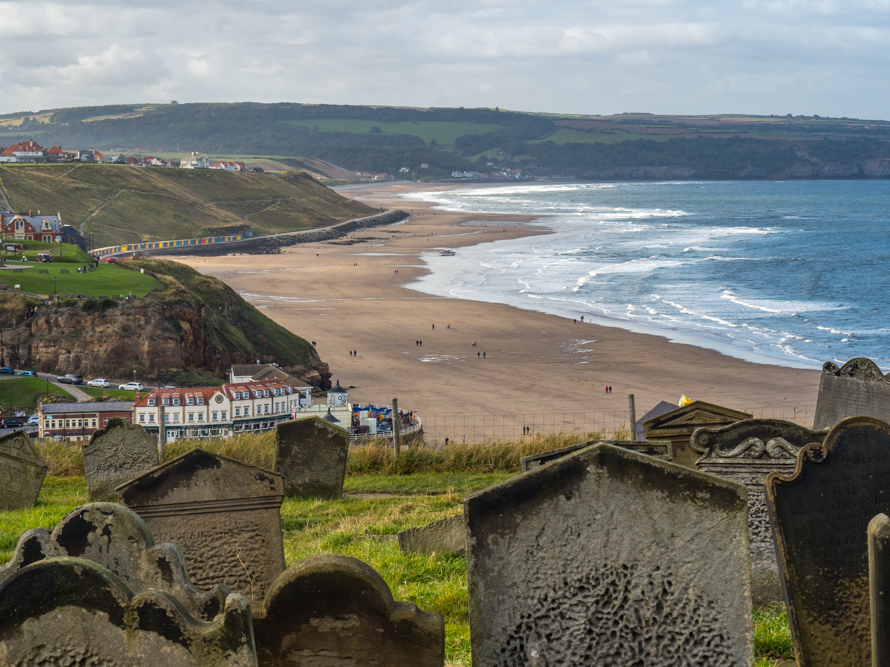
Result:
x=120 y=204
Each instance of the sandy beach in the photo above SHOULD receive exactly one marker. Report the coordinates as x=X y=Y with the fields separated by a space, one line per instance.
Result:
x=354 y=294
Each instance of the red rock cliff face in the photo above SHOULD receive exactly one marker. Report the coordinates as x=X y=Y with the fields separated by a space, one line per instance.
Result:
x=142 y=336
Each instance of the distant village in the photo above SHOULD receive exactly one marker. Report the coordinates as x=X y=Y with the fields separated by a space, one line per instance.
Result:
x=30 y=152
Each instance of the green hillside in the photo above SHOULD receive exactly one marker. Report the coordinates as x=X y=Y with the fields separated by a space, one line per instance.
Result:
x=117 y=204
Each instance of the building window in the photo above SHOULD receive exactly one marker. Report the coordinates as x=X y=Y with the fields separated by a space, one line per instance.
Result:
x=190 y=400
x=200 y=400
x=266 y=408
x=166 y=401
x=151 y=417
x=246 y=410
x=224 y=416
x=151 y=402
x=176 y=417
x=191 y=416
x=237 y=412
x=105 y=421
x=215 y=416
x=166 y=417
x=200 y=416
x=175 y=401
x=94 y=423
x=142 y=417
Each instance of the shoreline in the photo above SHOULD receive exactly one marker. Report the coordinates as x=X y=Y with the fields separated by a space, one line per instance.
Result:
x=354 y=293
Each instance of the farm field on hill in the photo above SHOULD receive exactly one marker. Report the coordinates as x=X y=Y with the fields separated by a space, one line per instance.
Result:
x=119 y=204
x=443 y=132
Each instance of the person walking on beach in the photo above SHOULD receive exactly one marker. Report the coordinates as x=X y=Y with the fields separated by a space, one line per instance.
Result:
x=434 y=326
x=483 y=355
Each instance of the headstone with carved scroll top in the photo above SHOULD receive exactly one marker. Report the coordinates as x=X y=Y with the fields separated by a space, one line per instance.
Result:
x=820 y=518
x=746 y=452
x=858 y=388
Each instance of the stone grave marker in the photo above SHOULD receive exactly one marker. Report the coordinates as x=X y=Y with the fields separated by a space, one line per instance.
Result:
x=22 y=470
x=746 y=452
x=311 y=454
x=879 y=588
x=679 y=424
x=98 y=591
x=609 y=557
x=820 y=517
x=447 y=535
x=116 y=454
x=337 y=610
x=659 y=448
x=223 y=514
x=116 y=538
x=858 y=388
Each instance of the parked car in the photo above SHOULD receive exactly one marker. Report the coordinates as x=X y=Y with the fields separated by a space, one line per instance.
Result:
x=30 y=374
x=7 y=370
x=70 y=378
x=99 y=382
x=44 y=257
x=131 y=386
x=10 y=423
x=34 y=420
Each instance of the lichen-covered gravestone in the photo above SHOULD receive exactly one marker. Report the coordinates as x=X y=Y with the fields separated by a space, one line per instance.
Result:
x=879 y=588
x=679 y=424
x=447 y=535
x=659 y=448
x=311 y=454
x=97 y=590
x=746 y=452
x=223 y=514
x=820 y=518
x=117 y=454
x=611 y=558
x=856 y=389
x=336 y=610
x=22 y=470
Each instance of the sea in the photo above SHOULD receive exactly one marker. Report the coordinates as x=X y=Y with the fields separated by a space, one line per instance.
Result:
x=787 y=273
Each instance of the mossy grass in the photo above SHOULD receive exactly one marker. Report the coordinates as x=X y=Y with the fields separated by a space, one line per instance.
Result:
x=107 y=280
x=22 y=393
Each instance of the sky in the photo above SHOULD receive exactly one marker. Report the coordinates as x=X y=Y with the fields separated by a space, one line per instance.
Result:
x=570 y=56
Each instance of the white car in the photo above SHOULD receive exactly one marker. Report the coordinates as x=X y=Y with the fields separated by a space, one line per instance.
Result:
x=131 y=386
x=99 y=382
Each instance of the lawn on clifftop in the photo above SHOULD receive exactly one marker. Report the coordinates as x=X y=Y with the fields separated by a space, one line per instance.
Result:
x=61 y=279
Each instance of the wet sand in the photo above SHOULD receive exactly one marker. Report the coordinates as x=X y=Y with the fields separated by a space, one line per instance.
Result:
x=354 y=294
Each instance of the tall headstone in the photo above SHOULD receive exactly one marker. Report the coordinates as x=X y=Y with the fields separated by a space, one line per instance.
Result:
x=679 y=424
x=116 y=454
x=337 y=610
x=659 y=448
x=223 y=514
x=97 y=591
x=609 y=557
x=879 y=588
x=311 y=455
x=746 y=452
x=22 y=470
x=858 y=388
x=820 y=517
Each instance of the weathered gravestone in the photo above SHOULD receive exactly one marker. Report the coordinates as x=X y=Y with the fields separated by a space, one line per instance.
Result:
x=678 y=426
x=658 y=448
x=820 y=518
x=97 y=590
x=223 y=514
x=117 y=454
x=858 y=388
x=447 y=535
x=22 y=470
x=611 y=558
x=311 y=454
x=746 y=452
x=336 y=610
x=879 y=588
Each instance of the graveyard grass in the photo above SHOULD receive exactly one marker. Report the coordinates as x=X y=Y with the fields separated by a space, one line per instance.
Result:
x=384 y=497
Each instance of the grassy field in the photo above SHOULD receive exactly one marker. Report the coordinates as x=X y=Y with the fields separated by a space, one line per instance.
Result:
x=110 y=394
x=363 y=527
x=22 y=393
x=443 y=132
x=60 y=252
x=121 y=204
x=107 y=280
x=566 y=135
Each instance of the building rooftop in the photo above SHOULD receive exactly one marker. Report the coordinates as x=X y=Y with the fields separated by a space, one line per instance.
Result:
x=101 y=406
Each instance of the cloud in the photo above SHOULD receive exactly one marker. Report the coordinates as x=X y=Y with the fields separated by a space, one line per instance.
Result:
x=581 y=56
